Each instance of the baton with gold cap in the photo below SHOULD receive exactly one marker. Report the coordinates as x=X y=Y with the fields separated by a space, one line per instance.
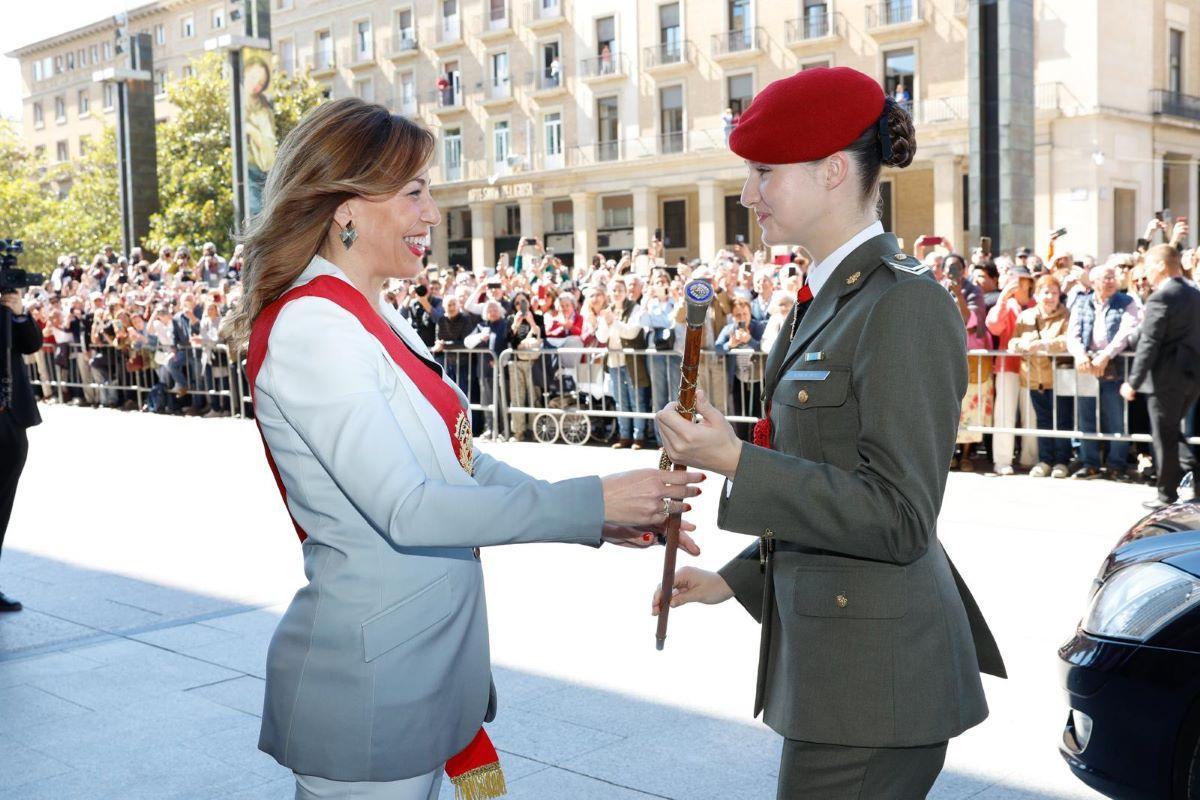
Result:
x=699 y=295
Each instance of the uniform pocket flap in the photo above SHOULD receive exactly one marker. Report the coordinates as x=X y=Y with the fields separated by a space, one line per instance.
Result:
x=869 y=592
x=401 y=621
x=823 y=388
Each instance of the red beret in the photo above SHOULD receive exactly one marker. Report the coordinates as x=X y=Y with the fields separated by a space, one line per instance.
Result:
x=808 y=116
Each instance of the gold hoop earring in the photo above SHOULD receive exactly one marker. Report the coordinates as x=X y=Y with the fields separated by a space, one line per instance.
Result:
x=349 y=235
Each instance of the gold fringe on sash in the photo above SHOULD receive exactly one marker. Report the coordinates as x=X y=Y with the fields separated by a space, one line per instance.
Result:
x=481 y=783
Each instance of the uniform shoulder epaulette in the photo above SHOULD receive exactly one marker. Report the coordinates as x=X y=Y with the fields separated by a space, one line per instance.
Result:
x=903 y=262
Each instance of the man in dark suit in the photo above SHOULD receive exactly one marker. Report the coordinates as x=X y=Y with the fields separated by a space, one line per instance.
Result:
x=19 y=413
x=1167 y=366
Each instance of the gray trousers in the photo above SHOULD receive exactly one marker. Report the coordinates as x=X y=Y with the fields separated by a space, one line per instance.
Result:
x=422 y=787
x=811 y=771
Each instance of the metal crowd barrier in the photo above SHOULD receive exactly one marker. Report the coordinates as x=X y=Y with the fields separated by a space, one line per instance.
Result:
x=141 y=378
x=575 y=394
x=1067 y=382
x=582 y=393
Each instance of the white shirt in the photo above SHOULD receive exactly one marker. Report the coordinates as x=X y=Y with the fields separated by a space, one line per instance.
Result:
x=820 y=273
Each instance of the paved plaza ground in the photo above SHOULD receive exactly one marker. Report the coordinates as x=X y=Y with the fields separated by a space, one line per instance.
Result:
x=153 y=556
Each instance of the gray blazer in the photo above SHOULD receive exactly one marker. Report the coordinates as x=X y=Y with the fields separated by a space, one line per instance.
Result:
x=379 y=669
x=869 y=637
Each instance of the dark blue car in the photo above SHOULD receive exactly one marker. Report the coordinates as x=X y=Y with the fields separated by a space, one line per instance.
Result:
x=1132 y=671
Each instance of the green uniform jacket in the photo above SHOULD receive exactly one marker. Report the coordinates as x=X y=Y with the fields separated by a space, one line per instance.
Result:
x=870 y=638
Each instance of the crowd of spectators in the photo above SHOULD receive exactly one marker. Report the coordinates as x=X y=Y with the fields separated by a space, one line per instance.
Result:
x=1067 y=321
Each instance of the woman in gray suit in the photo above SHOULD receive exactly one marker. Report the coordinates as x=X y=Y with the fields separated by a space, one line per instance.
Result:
x=379 y=672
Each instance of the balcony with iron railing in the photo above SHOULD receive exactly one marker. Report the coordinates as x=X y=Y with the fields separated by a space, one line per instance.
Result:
x=546 y=82
x=446 y=101
x=498 y=92
x=737 y=43
x=357 y=58
x=320 y=64
x=670 y=142
x=447 y=33
x=541 y=14
x=604 y=67
x=816 y=26
x=403 y=44
x=669 y=56
x=1175 y=104
x=893 y=14
x=493 y=24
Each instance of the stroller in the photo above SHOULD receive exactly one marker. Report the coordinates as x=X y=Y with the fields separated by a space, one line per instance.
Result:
x=572 y=385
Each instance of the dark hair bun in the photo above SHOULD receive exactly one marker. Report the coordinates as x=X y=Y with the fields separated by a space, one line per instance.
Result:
x=904 y=137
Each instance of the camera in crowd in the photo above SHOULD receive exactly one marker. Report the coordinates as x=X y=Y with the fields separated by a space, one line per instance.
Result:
x=11 y=278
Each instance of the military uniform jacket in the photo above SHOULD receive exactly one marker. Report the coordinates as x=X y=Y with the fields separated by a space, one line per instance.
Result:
x=870 y=638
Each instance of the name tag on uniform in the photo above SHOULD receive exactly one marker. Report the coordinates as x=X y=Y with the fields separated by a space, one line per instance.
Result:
x=806 y=375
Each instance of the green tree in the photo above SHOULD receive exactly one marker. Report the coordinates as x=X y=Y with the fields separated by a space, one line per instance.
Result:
x=23 y=199
x=195 y=171
x=89 y=216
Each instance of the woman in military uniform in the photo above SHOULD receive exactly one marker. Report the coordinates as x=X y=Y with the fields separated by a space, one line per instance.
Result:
x=872 y=646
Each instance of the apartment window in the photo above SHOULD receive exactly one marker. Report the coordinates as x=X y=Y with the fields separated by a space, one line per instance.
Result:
x=62 y=150
x=551 y=75
x=187 y=27
x=674 y=216
x=85 y=102
x=738 y=18
x=187 y=71
x=497 y=12
x=324 y=54
x=107 y=48
x=511 y=220
x=608 y=129
x=500 y=142
x=499 y=72
x=450 y=22
x=94 y=54
x=408 y=91
x=110 y=95
x=363 y=51
x=670 y=103
x=70 y=61
x=740 y=90
x=160 y=34
x=552 y=137
x=450 y=95
x=669 y=34
x=1175 y=62
x=58 y=65
x=899 y=69
x=287 y=56
x=283 y=5
x=815 y=65
x=39 y=118
x=216 y=17
x=452 y=153
x=562 y=215
x=37 y=70
x=160 y=81
x=404 y=25
x=616 y=211
x=365 y=90
x=606 y=35
x=83 y=146
x=81 y=57
x=60 y=109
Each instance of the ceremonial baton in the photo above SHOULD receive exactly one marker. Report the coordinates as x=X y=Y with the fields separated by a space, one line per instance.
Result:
x=699 y=295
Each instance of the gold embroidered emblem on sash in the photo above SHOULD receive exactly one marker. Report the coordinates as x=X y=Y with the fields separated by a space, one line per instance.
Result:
x=466 y=452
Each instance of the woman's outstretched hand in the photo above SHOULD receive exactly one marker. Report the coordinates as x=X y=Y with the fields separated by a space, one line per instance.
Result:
x=645 y=497
x=647 y=536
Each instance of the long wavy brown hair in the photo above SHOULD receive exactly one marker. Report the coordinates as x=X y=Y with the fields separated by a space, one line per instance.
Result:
x=341 y=149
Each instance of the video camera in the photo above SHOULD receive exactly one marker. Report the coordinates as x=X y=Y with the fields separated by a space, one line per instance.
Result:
x=11 y=278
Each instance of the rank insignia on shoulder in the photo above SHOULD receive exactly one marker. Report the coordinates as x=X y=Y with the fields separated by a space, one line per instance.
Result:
x=906 y=263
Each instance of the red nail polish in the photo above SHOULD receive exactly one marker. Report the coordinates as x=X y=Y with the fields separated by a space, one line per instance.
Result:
x=646 y=537
x=687 y=507
x=704 y=477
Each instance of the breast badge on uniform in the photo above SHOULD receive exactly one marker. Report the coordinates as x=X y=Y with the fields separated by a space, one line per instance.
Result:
x=466 y=448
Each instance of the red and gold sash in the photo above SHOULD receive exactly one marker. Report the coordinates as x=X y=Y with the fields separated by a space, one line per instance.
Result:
x=475 y=772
